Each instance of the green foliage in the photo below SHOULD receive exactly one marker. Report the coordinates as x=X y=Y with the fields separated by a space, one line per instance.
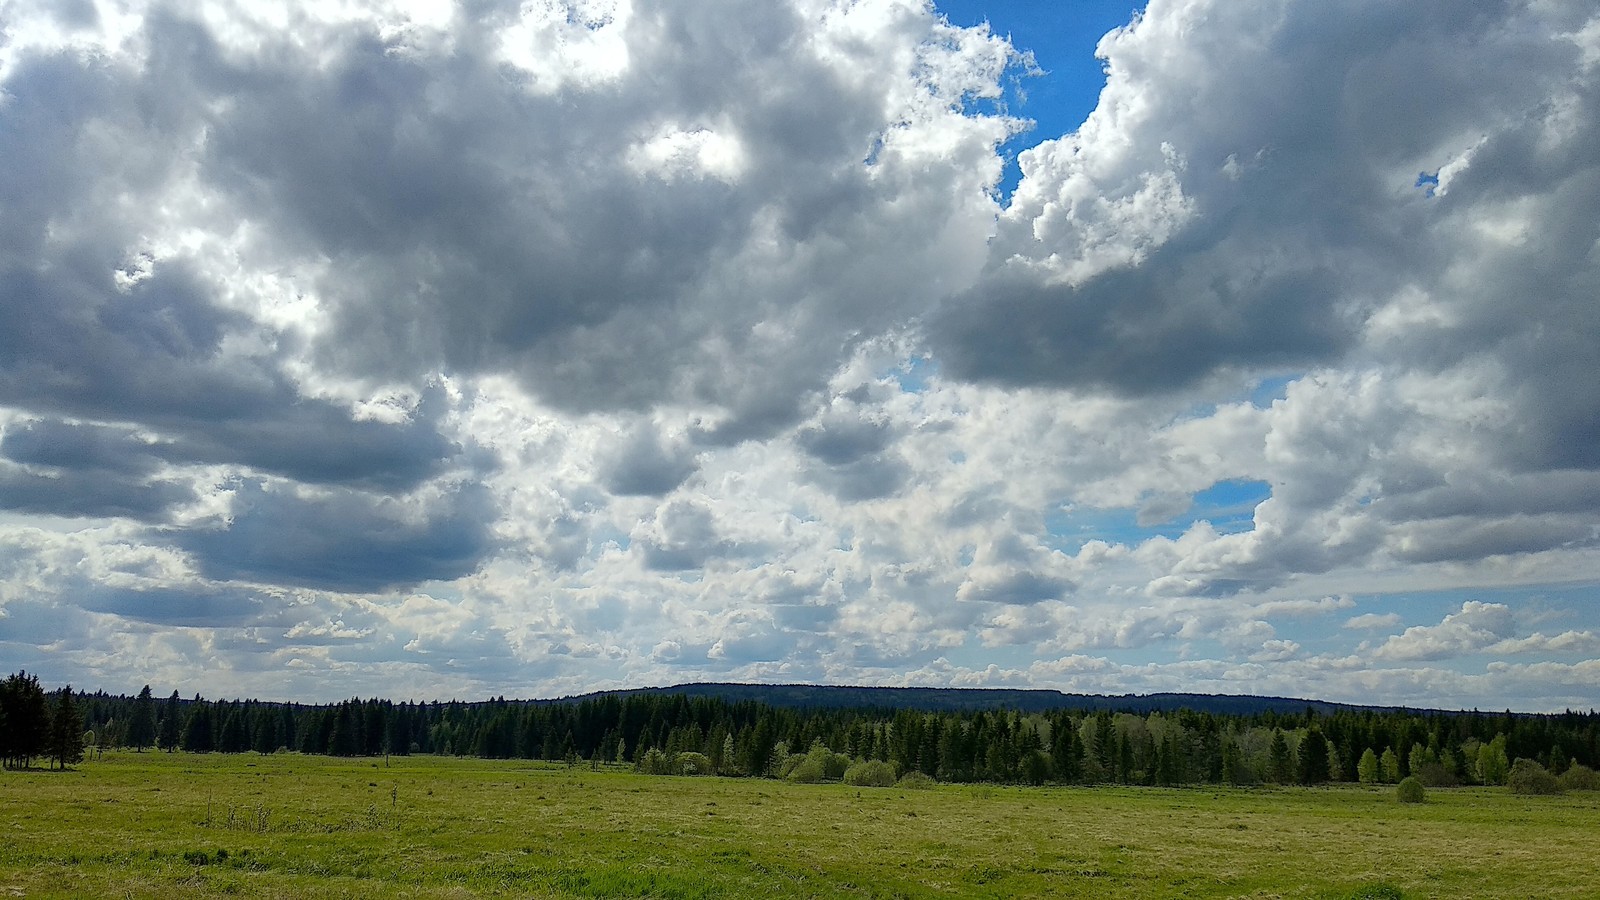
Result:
x=1368 y=769
x=1389 y=766
x=169 y=732
x=1280 y=764
x=66 y=731
x=654 y=762
x=708 y=734
x=1411 y=790
x=26 y=713
x=1313 y=758
x=1493 y=766
x=1528 y=777
x=806 y=770
x=142 y=725
x=914 y=781
x=691 y=763
x=871 y=773
x=1579 y=778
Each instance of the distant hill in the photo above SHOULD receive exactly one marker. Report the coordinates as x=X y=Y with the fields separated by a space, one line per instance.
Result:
x=931 y=699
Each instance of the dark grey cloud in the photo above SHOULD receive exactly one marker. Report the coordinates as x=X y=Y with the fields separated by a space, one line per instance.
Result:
x=77 y=470
x=208 y=606
x=643 y=467
x=1019 y=588
x=343 y=540
x=97 y=494
x=684 y=536
x=472 y=221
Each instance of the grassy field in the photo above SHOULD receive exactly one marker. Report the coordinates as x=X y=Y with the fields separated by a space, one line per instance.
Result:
x=178 y=826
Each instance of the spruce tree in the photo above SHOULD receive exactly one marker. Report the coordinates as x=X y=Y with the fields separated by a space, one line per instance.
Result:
x=66 y=731
x=198 y=732
x=142 y=726
x=171 y=728
x=1280 y=764
x=27 y=716
x=1314 y=758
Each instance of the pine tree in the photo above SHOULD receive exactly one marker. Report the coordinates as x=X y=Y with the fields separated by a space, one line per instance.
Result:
x=1313 y=758
x=27 y=716
x=1280 y=764
x=171 y=728
x=198 y=733
x=142 y=727
x=66 y=731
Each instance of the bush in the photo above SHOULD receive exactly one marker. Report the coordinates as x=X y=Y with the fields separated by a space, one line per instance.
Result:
x=1579 y=778
x=693 y=764
x=1411 y=790
x=870 y=773
x=1436 y=774
x=915 y=781
x=1528 y=777
x=817 y=764
x=654 y=762
x=807 y=771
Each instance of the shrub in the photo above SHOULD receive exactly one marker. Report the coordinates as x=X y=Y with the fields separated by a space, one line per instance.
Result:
x=1528 y=777
x=915 y=781
x=654 y=762
x=1579 y=778
x=1411 y=790
x=807 y=771
x=693 y=764
x=817 y=764
x=870 y=773
x=1436 y=774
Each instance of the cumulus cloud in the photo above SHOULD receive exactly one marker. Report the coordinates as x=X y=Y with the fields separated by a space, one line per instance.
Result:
x=1475 y=627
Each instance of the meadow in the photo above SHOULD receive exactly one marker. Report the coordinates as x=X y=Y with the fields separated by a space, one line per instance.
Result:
x=181 y=825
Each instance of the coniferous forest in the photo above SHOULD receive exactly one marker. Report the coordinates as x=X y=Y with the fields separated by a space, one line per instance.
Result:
x=670 y=733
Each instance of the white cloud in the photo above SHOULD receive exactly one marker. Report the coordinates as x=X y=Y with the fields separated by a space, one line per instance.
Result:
x=1374 y=620
x=1476 y=627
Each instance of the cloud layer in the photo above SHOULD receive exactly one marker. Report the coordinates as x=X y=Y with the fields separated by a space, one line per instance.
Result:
x=528 y=349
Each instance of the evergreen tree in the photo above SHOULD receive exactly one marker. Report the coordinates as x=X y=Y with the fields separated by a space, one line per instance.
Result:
x=1230 y=762
x=66 y=731
x=232 y=737
x=1066 y=753
x=27 y=716
x=1314 y=757
x=170 y=731
x=142 y=726
x=1280 y=764
x=199 y=735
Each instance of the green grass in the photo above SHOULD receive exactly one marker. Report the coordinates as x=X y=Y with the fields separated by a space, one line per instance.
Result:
x=181 y=826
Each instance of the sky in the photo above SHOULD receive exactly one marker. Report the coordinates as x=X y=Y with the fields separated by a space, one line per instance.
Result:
x=431 y=350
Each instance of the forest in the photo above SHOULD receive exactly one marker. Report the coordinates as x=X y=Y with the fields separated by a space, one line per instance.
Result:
x=671 y=733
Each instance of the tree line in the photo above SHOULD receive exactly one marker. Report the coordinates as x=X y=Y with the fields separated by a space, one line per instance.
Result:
x=673 y=733
x=33 y=728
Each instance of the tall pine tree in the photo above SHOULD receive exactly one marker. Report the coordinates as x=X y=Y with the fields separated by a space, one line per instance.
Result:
x=142 y=726
x=66 y=731
x=171 y=729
